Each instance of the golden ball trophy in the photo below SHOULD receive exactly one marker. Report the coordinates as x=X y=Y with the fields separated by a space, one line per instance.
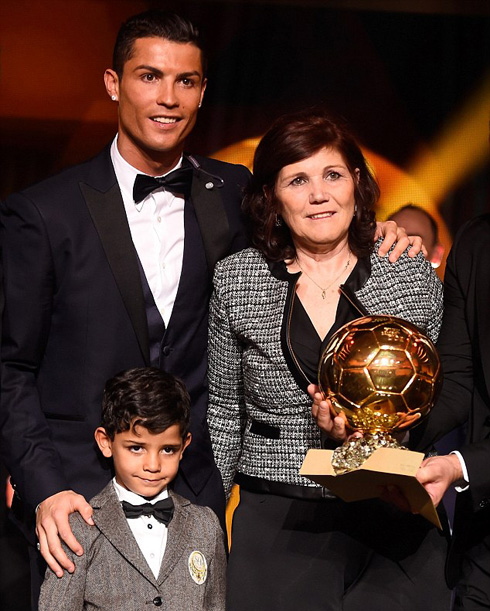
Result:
x=383 y=375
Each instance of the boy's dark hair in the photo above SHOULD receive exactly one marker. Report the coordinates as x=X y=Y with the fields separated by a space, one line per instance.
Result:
x=145 y=396
x=154 y=23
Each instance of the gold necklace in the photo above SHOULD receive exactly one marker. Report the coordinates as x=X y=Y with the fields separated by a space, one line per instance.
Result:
x=324 y=290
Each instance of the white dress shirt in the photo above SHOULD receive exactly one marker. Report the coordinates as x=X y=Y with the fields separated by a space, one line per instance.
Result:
x=463 y=484
x=157 y=230
x=150 y=534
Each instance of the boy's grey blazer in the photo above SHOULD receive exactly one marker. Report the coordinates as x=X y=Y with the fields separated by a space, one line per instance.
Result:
x=113 y=574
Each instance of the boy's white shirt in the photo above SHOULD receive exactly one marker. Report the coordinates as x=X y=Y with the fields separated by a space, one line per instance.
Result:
x=150 y=534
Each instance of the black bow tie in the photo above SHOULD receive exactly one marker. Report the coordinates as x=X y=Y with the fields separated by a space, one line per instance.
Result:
x=161 y=510
x=178 y=181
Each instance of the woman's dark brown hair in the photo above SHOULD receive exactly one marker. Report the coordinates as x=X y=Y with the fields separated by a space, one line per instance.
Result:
x=292 y=138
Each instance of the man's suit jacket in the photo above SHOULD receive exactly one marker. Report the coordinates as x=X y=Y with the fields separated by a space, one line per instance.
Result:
x=75 y=315
x=113 y=573
x=464 y=347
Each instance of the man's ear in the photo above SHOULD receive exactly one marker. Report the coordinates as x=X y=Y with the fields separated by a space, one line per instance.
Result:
x=187 y=440
x=203 y=89
x=111 y=81
x=103 y=441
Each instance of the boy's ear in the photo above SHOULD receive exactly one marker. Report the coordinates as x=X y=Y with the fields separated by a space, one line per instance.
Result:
x=103 y=441
x=187 y=441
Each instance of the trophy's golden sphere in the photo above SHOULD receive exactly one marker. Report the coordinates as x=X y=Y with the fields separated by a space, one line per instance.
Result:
x=381 y=372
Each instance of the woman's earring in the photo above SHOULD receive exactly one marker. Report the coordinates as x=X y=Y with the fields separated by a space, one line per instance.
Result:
x=113 y=98
x=278 y=221
x=355 y=210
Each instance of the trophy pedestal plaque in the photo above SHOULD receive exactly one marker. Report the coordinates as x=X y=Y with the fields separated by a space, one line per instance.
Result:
x=383 y=374
x=385 y=466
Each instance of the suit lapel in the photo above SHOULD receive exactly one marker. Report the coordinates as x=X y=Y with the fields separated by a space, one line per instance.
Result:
x=107 y=211
x=176 y=539
x=110 y=520
x=211 y=215
x=482 y=322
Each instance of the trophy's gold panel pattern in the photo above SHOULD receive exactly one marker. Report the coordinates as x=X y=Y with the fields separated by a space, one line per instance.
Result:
x=381 y=372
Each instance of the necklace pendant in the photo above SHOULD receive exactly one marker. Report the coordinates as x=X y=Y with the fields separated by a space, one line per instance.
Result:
x=323 y=294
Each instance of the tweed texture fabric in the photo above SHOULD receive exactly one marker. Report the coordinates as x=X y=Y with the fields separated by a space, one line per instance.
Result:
x=113 y=573
x=248 y=375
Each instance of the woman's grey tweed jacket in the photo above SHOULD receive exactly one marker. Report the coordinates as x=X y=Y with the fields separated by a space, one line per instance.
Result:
x=248 y=375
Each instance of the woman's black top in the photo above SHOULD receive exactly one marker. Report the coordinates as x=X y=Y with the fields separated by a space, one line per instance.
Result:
x=305 y=341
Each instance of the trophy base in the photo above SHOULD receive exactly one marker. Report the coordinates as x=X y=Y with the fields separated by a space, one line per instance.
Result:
x=385 y=467
x=352 y=454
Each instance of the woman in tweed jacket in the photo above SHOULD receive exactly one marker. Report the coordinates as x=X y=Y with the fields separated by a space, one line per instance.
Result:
x=273 y=310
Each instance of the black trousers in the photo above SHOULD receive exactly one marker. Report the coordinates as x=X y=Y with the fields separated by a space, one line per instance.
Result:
x=38 y=569
x=329 y=555
x=469 y=559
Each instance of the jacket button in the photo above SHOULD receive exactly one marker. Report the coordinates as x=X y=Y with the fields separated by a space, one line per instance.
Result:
x=484 y=503
x=209 y=185
x=165 y=351
x=157 y=601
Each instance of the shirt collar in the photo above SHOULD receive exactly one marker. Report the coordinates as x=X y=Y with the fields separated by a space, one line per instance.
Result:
x=280 y=271
x=135 y=499
x=355 y=281
x=126 y=173
x=360 y=274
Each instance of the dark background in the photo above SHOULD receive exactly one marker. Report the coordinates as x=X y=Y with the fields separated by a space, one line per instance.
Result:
x=411 y=77
x=400 y=72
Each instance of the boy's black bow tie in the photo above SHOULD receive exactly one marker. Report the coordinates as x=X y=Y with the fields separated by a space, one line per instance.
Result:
x=162 y=510
x=178 y=181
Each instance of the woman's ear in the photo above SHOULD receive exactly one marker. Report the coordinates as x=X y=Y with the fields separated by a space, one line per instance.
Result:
x=103 y=441
x=269 y=196
x=267 y=192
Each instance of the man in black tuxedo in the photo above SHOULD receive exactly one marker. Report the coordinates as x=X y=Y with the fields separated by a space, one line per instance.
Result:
x=464 y=348
x=104 y=271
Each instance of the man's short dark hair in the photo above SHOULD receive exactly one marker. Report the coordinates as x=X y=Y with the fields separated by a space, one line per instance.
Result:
x=147 y=397
x=154 y=23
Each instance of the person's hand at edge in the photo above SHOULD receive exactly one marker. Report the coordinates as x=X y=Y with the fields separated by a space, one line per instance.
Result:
x=52 y=525
x=394 y=496
x=391 y=234
x=437 y=473
x=334 y=427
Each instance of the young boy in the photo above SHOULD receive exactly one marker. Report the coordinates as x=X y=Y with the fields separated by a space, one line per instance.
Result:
x=149 y=546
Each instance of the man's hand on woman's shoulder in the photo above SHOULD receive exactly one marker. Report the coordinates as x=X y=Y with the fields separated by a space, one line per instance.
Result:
x=393 y=234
